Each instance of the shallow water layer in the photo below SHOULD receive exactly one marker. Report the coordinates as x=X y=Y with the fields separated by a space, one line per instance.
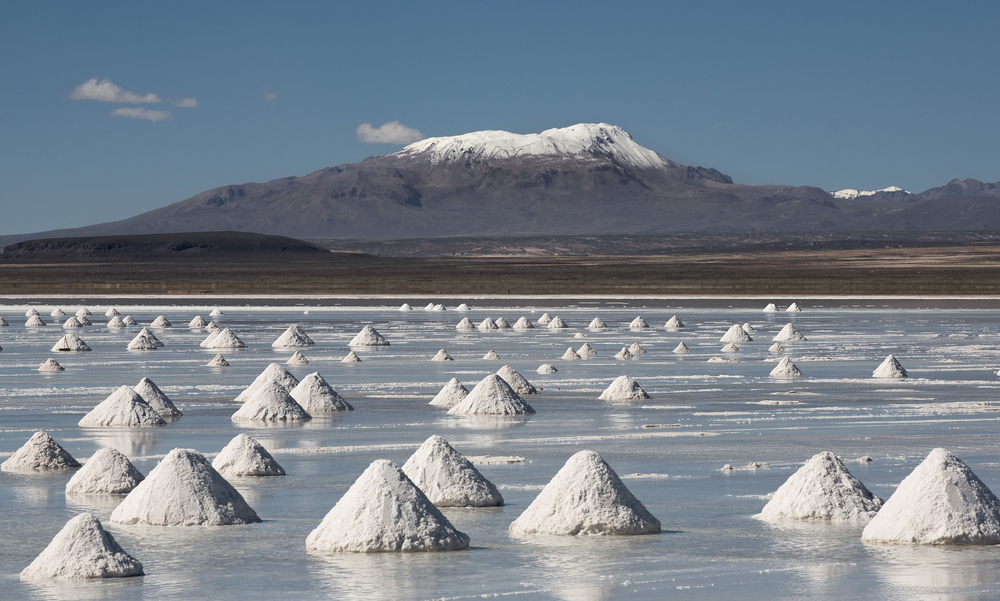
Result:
x=668 y=449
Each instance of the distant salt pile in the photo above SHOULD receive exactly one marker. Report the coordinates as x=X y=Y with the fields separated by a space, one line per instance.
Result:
x=107 y=472
x=215 y=313
x=465 y=324
x=638 y=322
x=72 y=322
x=156 y=398
x=586 y=350
x=384 y=511
x=579 y=335
x=447 y=478
x=716 y=360
x=144 y=341
x=272 y=372
x=523 y=323
x=749 y=329
x=83 y=549
x=40 y=453
x=123 y=408
x=127 y=320
x=785 y=369
x=570 y=354
x=218 y=361
x=351 y=357
x=70 y=343
x=34 y=321
x=673 y=323
x=224 y=338
x=546 y=368
x=116 y=322
x=890 y=368
x=681 y=348
x=623 y=388
x=184 y=490
x=294 y=336
x=789 y=334
x=368 y=336
x=442 y=355
x=775 y=348
x=160 y=322
x=297 y=358
x=516 y=380
x=557 y=323
x=83 y=312
x=32 y=312
x=450 y=395
x=822 y=489
x=197 y=322
x=636 y=349
x=405 y=307
x=439 y=307
x=586 y=497
x=492 y=396
x=83 y=320
x=736 y=334
x=462 y=307
x=244 y=456
x=488 y=324
x=317 y=397
x=211 y=327
x=793 y=308
x=429 y=307
x=941 y=502
x=730 y=348
x=770 y=308
x=3 y=322
x=544 y=319
x=491 y=356
x=57 y=312
x=502 y=324
x=271 y=402
x=50 y=365
x=597 y=324
x=111 y=312
x=624 y=354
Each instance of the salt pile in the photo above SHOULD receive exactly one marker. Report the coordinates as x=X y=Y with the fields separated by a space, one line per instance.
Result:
x=297 y=358
x=72 y=322
x=211 y=327
x=384 y=511
x=516 y=380
x=789 y=334
x=623 y=388
x=197 y=322
x=50 y=365
x=638 y=322
x=793 y=308
x=40 y=453
x=270 y=402
x=636 y=349
x=544 y=319
x=116 y=322
x=597 y=324
x=3 y=322
x=587 y=497
x=941 y=502
x=272 y=372
x=770 y=308
x=34 y=321
x=292 y=337
x=681 y=348
x=730 y=348
x=57 y=312
x=447 y=478
x=523 y=323
x=351 y=357
x=749 y=329
x=107 y=472
x=70 y=343
x=462 y=307
x=465 y=324
x=775 y=348
x=218 y=361
x=156 y=399
x=890 y=368
x=502 y=324
x=716 y=360
x=546 y=368
x=488 y=324
x=144 y=341
x=557 y=323
x=123 y=408
x=82 y=549
x=368 y=337
x=570 y=354
x=429 y=307
x=586 y=350
x=111 y=312
x=673 y=322
x=83 y=312
x=127 y=320
x=32 y=312
x=492 y=396
x=442 y=355
x=405 y=307
x=316 y=396
x=216 y=313
x=224 y=338
x=244 y=456
x=785 y=369
x=160 y=322
x=623 y=354
x=184 y=490
x=822 y=489
x=736 y=334
x=491 y=356
x=439 y=307
x=83 y=320
x=450 y=395
x=579 y=335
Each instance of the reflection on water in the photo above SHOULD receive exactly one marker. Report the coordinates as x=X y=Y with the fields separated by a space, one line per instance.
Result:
x=930 y=571
x=81 y=590
x=131 y=442
x=94 y=503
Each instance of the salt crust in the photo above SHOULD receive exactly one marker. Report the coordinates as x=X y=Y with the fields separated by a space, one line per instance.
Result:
x=144 y=341
x=586 y=350
x=465 y=324
x=107 y=472
x=516 y=380
x=789 y=334
x=123 y=408
x=502 y=324
x=70 y=343
x=34 y=321
x=216 y=313
x=636 y=349
x=297 y=358
x=442 y=355
x=623 y=388
x=111 y=312
x=681 y=348
x=316 y=396
x=272 y=372
x=793 y=308
x=449 y=479
x=462 y=307
x=523 y=323
x=51 y=365
x=638 y=322
x=544 y=319
x=160 y=322
x=351 y=357
x=83 y=312
x=159 y=401
x=32 y=312
x=785 y=369
x=586 y=497
x=292 y=337
x=184 y=490
x=244 y=456
x=450 y=394
x=546 y=368
x=822 y=489
x=491 y=356
x=270 y=402
x=570 y=355
x=623 y=354
x=673 y=322
x=384 y=511
x=218 y=361
x=730 y=348
x=368 y=336
x=890 y=368
x=40 y=453
x=127 y=320
x=57 y=312
x=488 y=324
x=775 y=348
x=197 y=322
x=492 y=396
x=770 y=308
x=72 y=322
x=736 y=333
x=83 y=549
x=557 y=323
x=597 y=324
x=405 y=307
x=116 y=322
x=941 y=502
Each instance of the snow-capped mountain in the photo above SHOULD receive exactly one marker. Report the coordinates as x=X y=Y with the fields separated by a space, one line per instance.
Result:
x=850 y=193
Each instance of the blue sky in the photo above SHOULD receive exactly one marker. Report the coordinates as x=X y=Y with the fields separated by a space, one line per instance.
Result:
x=836 y=95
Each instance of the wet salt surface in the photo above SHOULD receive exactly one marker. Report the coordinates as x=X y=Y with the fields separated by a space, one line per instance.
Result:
x=710 y=547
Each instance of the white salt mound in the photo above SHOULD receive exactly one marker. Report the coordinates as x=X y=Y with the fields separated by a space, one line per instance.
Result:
x=160 y=322
x=156 y=399
x=442 y=355
x=450 y=394
x=730 y=348
x=597 y=324
x=789 y=334
x=116 y=322
x=775 y=348
x=793 y=308
x=544 y=319
x=570 y=354
x=557 y=323
x=462 y=307
x=448 y=478
x=942 y=502
x=492 y=396
x=682 y=348
x=270 y=402
x=429 y=307
x=184 y=490
x=636 y=349
x=623 y=388
x=502 y=324
x=224 y=338
x=890 y=368
x=215 y=313
x=111 y=312
x=673 y=322
x=244 y=456
x=579 y=335
x=83 y=549
x=465 y=324
x=351 y=357
x=123 y=408
x=127 y=320
x=822 y=489
x=749 y=329
x=516 y=380
x=439 y=307
x=405 y=307
x=785 y=369
x=368 y=336
x=491 y=356
x=294 y=336
x=638 y=322
x=34 y=321
x=40 y=453
x=316 y=396
x=586 y=350
x=51 y=365
x=586 y=497
x=211 y=327
x=57 y=312
x=83 y=312
x=218 y=361
x=523 y=323
x=736 y=333
x=3 y=322
x=384 y=511
x=297 y=358
x=623 y=354
x=488 y=324
x=197 y=322
x=546 y=368
x=144 y=341
x=70 y=343
x=770 y=308
x=107 y=472
x=83 y=320
x=272 y=372
x=32 y=312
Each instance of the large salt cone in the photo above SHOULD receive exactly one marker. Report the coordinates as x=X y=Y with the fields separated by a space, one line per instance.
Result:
x=82 y=549
x=822 y=489
x=448 y=478
x=492 y=396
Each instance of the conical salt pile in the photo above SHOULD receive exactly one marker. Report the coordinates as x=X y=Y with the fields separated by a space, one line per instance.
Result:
x=492 y=396
x=516 y=380
x=405 y=307
x=450 y=395
x=682 y=348
x=789 y=334
x=557 y=323
x=218 y=361
x=448 y=478
x=775 y=348
x=34 y=321
x=57 y=312
x=822 y=489
x=673 y=322
x=317 y=397
x=586 y=496
x=83 y=320
x=40 y=453
x=32 y=312
x=546 y=368
x=770 y=308
x=70 y=343
x=216 y=313
x=83 y=312
x=270 y=402
x=730 y=348
x=736 y=334
x=793 y=308
x=3 y=322
x=292 y=337
x=785 y=369
x=941 y=502
x=123 y=408
x=638 y=322
x=465 y=324
x=442 y=355
x=429 y=307
x=491 y=356
x=160 y=322
x=488 y=324
x=570 y=354
x=224 y=338
x=107 y=472
x=51 y=365
x=586 y=350
x=144 y=341
x=156 y=399
x=636 y=349
x=127 y=320
x=82 y=549
x=462 y=307
x=523 y=323
x=623 y=388
x=111 y=312
x=197 y=322
x=890 y=368
x=351 y=357
x=297 y=358
x=749 y=329
x=368 y=337
x=384 y=511
x=544 y=319
x=184 y=490
x=116 y=322
x=623 y=354
x=211 y=327
x=244 y=456
x=439 y=307
x=502 y=324
x=597 y=324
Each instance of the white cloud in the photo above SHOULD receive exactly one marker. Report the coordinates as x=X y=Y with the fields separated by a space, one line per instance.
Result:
x=392 y=132
x=187 y=103
x=269 y=96
x=137 y=113
x=105 y=91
